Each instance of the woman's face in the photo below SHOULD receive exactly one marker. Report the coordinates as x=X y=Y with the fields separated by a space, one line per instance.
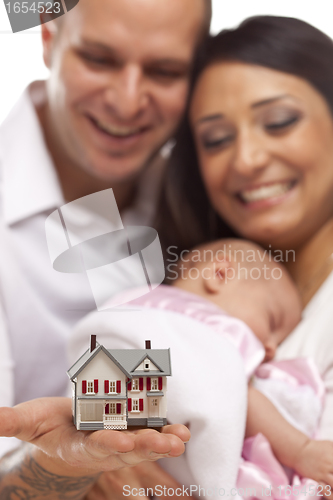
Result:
x=265 y=145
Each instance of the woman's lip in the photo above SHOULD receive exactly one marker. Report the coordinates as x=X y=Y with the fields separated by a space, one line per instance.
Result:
x=252 y=187
x=266 y=199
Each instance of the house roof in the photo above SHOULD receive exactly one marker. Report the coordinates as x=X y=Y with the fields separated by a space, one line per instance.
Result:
x=127 y=360
x=130 y=359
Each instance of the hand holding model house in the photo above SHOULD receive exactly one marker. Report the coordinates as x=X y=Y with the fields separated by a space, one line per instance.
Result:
x=116 y=388
x=139 y=399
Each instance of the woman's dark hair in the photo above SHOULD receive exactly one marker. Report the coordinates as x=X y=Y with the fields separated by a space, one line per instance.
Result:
x=185 y=215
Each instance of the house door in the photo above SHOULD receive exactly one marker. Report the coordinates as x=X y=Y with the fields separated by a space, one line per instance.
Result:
x=154 y=407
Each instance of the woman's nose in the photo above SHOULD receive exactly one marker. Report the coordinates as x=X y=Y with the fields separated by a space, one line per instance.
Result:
x=126 y=97
x=251 y=154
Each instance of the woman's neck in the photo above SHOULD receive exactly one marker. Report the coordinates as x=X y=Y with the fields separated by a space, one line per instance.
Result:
x=313 y=262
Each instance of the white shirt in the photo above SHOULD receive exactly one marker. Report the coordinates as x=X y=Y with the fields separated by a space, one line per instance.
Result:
x=313 y=337
x=38 y=305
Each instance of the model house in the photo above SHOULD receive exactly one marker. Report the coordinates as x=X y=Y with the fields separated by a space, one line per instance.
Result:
x=116 y=388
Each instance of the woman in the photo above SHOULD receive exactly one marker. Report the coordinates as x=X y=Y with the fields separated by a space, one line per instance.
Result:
x=254 y=159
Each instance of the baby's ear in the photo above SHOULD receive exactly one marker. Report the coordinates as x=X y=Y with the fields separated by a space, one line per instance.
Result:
x=215 y=274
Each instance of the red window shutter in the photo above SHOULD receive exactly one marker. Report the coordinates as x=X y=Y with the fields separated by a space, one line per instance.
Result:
x=95 y=386
x=118 y=408
x=148 y=383
x=160 y=383
x=141 y=384
x=118 y=386
x=107 y=409
x=141 y=404
x=129 y=404
x=84 y=386
x=106 y=386
x=129 y=385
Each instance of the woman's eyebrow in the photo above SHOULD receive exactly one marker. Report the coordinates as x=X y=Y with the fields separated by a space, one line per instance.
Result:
x=219 y=116
x=269 y=101
x=209 y=118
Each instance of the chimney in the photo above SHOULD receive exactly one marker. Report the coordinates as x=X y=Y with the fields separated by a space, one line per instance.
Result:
x=148 y=344
x=92 y=343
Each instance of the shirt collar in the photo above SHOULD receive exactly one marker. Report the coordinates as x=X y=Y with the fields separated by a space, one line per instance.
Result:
x=29 y=178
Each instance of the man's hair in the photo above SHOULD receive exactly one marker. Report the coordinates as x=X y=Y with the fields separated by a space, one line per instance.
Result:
x=206 y=24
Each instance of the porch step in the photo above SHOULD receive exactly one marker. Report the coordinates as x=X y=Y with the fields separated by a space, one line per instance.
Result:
x=156 y=422
x=91 y=426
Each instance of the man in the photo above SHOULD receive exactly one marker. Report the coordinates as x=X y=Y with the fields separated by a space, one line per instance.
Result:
x=118 y=84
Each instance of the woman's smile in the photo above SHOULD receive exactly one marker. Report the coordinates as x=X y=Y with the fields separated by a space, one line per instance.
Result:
x=264 y=139
x=266 y=193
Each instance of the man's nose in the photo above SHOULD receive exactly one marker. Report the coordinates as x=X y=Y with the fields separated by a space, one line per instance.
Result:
x=126 y=96
x=251 y=154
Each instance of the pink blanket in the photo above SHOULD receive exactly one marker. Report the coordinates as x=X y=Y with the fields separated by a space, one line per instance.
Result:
x=294 y=386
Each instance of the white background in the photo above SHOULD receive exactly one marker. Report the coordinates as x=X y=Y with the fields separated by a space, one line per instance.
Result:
x=21 y=53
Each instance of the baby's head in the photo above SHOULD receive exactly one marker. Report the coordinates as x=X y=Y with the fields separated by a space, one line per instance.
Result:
x=246 y=282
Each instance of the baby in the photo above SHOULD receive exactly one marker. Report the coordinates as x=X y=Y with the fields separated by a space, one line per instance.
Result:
x=211 y=289
x=248 y=284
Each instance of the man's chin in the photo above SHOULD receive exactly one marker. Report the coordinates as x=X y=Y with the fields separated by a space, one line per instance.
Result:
x=120 y=169
x=117 y=171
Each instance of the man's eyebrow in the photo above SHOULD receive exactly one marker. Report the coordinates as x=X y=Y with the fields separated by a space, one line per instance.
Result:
x=181 y=63
x=89 y=44
x=270 y=100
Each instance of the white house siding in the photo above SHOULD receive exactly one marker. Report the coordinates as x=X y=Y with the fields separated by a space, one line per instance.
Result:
x=102 y=368
x=146 y=400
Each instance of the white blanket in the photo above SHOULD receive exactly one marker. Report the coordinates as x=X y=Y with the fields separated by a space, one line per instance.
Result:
x=207 y=390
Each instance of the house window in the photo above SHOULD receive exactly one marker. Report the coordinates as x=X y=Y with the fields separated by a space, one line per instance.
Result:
x=154 y=384
x=146 y=365
x=112 y=386
x=90 y=387
x=113 y=408
x=135 y=405
x=135 y=385
x=154 y=402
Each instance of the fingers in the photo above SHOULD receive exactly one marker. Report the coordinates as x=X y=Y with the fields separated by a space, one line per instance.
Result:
x=27 y=421
x=324 y=489
x=146 y=445
x=9 y=423
x=178 y=430
x=117 y=485
x=327 y=486
x=141 y=481
x=101 y=444
x=152 y=444
x=153 y=475
x=47 y=423
x=154 y=480
x=119 y=449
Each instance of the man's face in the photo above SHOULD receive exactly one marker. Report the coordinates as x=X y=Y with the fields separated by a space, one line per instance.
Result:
x=119 y=80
